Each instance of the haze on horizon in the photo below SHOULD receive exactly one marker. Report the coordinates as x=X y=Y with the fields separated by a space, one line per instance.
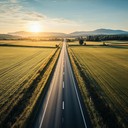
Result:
x=62 y=15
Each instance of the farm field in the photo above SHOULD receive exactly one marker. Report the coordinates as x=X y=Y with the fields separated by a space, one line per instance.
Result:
x=87 y=43
x=18 y=68
x=117 y=42
x=30 y=43
x=107 y=68
x=110 y=43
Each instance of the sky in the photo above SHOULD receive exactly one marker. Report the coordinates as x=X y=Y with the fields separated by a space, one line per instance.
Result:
x=62 y=15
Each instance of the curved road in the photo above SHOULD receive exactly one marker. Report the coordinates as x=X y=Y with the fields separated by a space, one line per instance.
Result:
x=62 y=107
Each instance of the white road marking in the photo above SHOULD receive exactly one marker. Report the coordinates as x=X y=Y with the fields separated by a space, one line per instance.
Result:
x=63 y=84
x=63 y=105
x=45 y=108
x=63 y=101
x=78 y=98
x=62 y=120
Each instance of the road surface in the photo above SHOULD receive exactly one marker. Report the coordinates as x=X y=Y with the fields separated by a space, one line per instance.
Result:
x=62 y=107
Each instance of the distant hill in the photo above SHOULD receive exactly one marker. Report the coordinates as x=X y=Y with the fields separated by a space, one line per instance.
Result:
x=23 y=34
x=7 y=36
x=39 y=34
x=99 y=32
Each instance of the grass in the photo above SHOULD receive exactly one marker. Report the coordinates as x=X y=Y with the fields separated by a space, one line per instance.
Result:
x=117 y=42
x=29 y=43
x=95 y=118
x=23 y=74
x=76 y=43
x=106 y=70
x=97 y=43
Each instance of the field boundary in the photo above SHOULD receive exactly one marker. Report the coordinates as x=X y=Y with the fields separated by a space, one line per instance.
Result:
x=25 y=46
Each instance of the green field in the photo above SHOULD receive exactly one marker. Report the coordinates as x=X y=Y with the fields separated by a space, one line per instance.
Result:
x=117 y=42
x=30 y=43
x=107 y=69
x=19 y=67
x=110 y=43
x=75 y=43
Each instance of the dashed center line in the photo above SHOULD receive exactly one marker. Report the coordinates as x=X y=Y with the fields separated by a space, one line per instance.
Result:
x=63 y=84
x=62 y=120
x=63 y=105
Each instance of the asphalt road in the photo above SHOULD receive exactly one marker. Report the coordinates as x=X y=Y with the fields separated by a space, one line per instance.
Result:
x=62 y=106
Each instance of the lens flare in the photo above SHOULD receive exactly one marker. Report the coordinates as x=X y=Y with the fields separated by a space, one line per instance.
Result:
x=35 y=27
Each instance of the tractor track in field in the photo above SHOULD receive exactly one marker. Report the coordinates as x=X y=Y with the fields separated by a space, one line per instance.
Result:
x=13 y=67
x=23 y=82
x=11 y=90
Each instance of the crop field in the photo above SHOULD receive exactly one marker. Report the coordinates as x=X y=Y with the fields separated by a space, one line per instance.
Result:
x=30 y=43
x=107 y=68
x=17 y=67
x=87 y=43
x=117 y=42
x=110 y=43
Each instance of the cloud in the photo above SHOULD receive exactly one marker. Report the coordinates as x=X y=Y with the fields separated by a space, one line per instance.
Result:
x=13 y=14
x=33 y=16
x=13 y=1
x=11 y=11
x=63 y=21
x=9 y=8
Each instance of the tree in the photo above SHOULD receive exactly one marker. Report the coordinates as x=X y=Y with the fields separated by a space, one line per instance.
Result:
x=81 y=41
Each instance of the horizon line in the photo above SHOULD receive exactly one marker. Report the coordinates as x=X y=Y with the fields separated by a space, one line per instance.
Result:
x=64 y=32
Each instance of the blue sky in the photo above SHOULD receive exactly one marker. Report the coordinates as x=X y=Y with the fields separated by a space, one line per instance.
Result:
x=63 y=15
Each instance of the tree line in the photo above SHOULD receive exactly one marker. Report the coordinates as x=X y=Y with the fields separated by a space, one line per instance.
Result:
x=106 y=37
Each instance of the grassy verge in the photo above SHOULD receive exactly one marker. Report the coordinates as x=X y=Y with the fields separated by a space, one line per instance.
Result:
x=100 y=112
x=21 y=110
x=94 y=116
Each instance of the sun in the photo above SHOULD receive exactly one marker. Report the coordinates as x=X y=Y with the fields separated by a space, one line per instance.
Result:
x=35 y=27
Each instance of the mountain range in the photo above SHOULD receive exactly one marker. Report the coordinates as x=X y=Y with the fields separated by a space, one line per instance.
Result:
x=39 y=34
x=62 y=35
x=99 y=32
x=8 y=37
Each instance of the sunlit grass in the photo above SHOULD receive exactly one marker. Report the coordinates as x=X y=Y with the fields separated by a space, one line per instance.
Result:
x=30 y=43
